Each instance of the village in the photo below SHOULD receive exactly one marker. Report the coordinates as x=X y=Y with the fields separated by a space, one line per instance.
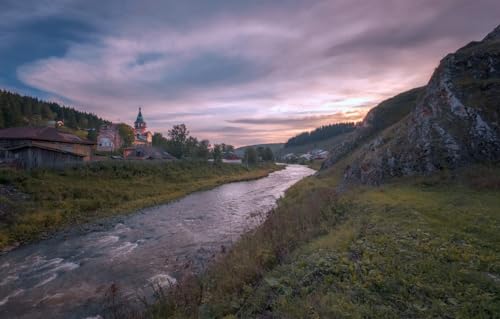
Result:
x=54 y=146
x=304 y=158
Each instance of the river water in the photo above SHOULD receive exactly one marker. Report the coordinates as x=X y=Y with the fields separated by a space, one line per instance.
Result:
x=69 y=276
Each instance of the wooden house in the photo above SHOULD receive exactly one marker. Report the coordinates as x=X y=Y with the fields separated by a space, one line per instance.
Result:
x=32 y=147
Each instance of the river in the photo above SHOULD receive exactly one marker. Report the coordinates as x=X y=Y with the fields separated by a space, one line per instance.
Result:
x=69 y=275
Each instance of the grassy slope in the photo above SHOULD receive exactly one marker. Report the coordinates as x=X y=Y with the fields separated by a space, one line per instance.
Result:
x=413 y=249
x=421 y=247
x=78 y=195
x=315 y=164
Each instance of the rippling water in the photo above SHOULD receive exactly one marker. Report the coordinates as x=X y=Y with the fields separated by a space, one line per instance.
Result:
x=68 y=276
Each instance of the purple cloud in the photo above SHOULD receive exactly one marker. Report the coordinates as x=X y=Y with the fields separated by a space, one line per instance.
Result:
x=270 y=69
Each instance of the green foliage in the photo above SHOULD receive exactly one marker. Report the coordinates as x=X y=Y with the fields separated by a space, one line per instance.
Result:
x=127 y=134
x=404 y=250
x=265 y=153
x=17 y=110
x=160 y=141
x=217 y=153
x=251 y=156
x=203 y=150
x=92 y=135
x=394 y=109
x=178 y=137
x=321 y=133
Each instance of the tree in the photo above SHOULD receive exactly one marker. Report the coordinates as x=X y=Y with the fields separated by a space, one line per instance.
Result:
x=250 y=157
x=160 y=141
x=268 y=155
x=217 y=153
x=203 y=151
x=177 y=140
x=260 y=153
x=321 y=133
x=226 y=148
x=22 y=110
x=92 y=135
x=191 y=147
x=70 y=120
x=127 y=134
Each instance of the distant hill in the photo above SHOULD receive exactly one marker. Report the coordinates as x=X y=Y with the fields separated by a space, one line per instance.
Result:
x=320 y=134
x=382 y=116
x=18 y=110
x=453 y=123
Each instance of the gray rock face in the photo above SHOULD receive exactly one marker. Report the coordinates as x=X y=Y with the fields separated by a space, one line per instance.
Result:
x=454 y=123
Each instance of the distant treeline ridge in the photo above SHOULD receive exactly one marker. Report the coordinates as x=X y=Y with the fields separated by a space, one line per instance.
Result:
x=17 y=110
x=321 y=133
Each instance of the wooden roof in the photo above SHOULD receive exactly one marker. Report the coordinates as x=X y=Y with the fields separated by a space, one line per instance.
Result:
x=49 y=134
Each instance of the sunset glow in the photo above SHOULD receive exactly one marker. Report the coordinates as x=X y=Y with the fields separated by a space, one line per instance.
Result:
x=243 y=72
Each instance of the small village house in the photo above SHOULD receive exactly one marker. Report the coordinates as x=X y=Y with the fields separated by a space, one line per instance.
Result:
x=109 y=139
x=30 y=147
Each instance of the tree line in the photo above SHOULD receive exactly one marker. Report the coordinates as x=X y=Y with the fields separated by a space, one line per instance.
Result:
x=17 y=110
x=181 y=144
x=322 y=133
x=254 y=155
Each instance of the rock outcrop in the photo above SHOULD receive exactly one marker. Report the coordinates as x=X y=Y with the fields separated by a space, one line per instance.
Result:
x=455 y=121
x=384 y=115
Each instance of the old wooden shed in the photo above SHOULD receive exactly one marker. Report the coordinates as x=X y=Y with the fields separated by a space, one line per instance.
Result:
x=32 y=147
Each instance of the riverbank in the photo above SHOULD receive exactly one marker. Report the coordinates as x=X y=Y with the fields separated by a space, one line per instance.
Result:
x=39 y=203
x=415 y=247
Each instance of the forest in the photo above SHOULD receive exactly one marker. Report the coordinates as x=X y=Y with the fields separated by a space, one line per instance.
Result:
x=321 y=133
x=17 y=110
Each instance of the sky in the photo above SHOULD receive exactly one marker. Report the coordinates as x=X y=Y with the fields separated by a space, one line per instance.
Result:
x=239 y=72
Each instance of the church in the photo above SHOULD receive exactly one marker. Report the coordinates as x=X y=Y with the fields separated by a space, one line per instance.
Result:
x=142 y=135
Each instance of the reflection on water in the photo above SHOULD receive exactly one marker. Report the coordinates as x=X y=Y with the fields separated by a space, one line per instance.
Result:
x=68 y=277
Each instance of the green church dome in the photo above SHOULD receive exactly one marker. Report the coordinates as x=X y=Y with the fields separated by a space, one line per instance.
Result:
x=139 y=119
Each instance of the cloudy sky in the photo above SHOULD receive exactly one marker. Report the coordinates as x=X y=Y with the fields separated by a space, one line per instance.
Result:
x=235 y=71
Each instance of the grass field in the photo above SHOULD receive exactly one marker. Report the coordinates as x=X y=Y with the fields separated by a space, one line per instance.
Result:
x=414 y=248
x=60 y=198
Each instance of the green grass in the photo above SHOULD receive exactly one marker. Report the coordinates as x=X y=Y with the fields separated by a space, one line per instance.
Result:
x=60 y=198
x=315 y=164
x=414 y=248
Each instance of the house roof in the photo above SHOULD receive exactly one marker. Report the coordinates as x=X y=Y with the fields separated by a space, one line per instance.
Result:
x=43 y=147
x=49 y=134
x=149 y=152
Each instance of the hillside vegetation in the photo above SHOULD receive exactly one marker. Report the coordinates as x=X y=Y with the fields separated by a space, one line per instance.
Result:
x=381 y=117
x=321 y=133
x=17 y=110
x=275 y=148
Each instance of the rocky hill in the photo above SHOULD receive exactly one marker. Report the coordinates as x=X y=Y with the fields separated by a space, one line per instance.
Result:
x=454 y=122
x=384 y=115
